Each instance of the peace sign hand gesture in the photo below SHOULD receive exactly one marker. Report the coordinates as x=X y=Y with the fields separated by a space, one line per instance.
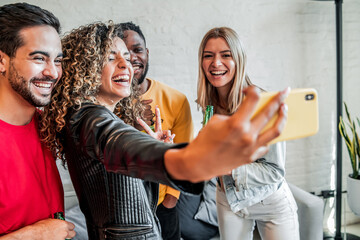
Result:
x=162 y=135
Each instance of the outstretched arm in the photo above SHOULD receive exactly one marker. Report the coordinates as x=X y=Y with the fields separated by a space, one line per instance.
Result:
x=223 y=144
x=228 y=142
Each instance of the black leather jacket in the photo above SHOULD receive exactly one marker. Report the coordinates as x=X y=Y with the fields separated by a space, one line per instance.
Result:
x=107 y=160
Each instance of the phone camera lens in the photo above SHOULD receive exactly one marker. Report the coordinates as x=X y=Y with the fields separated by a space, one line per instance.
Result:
x=309 y=97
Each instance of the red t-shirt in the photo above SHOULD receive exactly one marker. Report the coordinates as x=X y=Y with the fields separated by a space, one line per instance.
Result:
x=30 y=185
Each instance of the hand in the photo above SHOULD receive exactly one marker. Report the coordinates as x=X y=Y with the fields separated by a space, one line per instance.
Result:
x=227 y=142
x=147 y=114
x=54 y=229
x=169 y=201
x=162 y=135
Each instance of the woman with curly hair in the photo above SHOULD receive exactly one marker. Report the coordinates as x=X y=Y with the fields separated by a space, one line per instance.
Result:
x=97 y=71
x=107 y=158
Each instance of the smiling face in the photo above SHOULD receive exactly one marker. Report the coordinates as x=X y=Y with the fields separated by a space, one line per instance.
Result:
x=218 y=64
x=36 y=67
x=139 y=54
x=116 y=75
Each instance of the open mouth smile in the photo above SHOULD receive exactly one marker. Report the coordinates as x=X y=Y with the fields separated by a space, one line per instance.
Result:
x=122 y=79
x=218 y=73
x=137 y=66
x=46 y=85
x=43 y=87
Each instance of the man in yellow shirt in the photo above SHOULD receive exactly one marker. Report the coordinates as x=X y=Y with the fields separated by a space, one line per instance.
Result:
x=176 y=109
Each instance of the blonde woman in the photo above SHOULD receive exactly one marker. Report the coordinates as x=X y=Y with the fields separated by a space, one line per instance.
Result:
x=253 y=194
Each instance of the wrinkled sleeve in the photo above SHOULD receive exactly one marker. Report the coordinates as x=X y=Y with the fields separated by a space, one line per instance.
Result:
x=101 y=135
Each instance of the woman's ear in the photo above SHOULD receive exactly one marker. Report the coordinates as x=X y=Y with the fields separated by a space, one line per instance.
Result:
x=4 y=60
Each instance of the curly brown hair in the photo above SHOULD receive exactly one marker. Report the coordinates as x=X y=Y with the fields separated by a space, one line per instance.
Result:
x=86 y=50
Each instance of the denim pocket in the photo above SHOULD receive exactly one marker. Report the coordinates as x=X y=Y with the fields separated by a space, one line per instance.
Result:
x=277 y=197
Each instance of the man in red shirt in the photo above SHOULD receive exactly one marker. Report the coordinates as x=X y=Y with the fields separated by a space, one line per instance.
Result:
x=30 y=65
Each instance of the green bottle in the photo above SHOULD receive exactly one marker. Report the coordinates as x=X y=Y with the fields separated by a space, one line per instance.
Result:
x=209 y=112
x=59 y=215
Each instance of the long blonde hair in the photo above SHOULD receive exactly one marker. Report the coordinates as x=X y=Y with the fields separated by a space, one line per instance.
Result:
x=206 y=93
x=86 y=51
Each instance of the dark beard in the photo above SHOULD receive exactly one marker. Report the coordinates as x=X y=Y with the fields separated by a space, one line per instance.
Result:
x=143 y=76
x=21 y=86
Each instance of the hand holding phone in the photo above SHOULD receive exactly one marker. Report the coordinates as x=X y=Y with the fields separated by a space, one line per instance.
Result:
x=302 y=120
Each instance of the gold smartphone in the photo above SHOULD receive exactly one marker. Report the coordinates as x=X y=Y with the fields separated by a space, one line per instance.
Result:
x=302 y=120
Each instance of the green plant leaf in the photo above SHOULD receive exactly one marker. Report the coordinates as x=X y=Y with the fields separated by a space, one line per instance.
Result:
x=353 y=153
x=357 y=151
x=352 y=142
x=343 y=132
x=347 y=112
x=347 y=139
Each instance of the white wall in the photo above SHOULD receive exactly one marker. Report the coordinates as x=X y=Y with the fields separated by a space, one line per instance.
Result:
x=289 y=43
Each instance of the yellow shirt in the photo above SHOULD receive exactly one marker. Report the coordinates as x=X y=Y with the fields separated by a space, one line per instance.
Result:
x=175 y=115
